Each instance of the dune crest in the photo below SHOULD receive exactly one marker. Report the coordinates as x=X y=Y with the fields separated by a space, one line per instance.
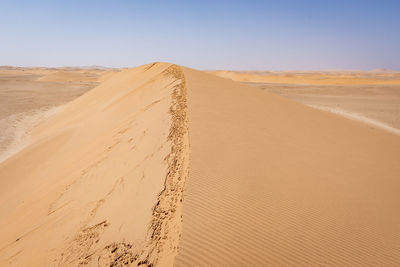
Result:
x=102 y=181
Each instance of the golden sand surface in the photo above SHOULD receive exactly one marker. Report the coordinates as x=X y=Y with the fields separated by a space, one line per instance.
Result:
x=164 y=165
x=101 y=181
x=276 y=183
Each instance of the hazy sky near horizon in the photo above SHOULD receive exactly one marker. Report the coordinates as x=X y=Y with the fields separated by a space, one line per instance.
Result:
x=218 y=34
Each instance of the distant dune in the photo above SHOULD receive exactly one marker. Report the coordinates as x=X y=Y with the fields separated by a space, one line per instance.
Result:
x=163 y=165
x=314 y=77
x=78 y=75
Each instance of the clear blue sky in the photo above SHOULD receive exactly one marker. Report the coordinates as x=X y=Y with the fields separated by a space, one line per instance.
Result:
x=217 y=34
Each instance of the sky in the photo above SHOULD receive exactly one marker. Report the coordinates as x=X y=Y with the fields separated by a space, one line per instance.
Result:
x=217 y=34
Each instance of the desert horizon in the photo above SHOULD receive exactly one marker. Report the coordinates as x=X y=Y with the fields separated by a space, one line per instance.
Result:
x=199 y=133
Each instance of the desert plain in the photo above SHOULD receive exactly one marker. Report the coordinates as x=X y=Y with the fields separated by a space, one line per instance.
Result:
x=163 y=165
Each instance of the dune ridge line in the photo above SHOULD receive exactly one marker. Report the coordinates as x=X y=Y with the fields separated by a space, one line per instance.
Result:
x=165 y=230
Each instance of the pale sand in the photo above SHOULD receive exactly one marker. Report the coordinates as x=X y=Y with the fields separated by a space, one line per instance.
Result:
x=16 y=130
x=102 y=180
x=276 y=183
x=29 y=89
x=271 y=181
x=30 y=95
x=314 y=77
x=368 y=96
x=359 y=117
x=380 y=103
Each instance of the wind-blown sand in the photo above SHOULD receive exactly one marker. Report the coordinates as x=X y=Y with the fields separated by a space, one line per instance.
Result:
x=102 y=180
x=266 y=181
x=273 y=182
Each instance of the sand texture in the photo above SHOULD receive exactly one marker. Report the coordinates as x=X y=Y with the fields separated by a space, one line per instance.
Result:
x=276 y=183
x=162 y=165
x=101 y=182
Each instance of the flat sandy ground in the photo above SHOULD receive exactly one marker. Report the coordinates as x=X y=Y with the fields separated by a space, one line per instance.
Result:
x=167 y=165
x=23 y=89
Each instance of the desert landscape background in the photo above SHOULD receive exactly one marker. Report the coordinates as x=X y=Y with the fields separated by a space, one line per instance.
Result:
x=165 y=165
x=28 y=95
x=199 y=133
x=369 y=96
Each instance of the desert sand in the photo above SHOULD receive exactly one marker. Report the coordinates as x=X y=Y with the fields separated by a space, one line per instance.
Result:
x=273 y=182
x=102 y=180
x=165 y=165
x=338 y=77
x=29 y=95
x=372 y=97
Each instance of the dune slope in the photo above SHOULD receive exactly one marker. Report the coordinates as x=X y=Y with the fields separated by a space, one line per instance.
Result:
x=102 y=180
x=276 y=183
x=269 y=181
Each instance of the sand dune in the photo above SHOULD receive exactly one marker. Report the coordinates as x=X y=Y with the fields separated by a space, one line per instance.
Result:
x=273 y=182
x=266 y=181
x=101 y=181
